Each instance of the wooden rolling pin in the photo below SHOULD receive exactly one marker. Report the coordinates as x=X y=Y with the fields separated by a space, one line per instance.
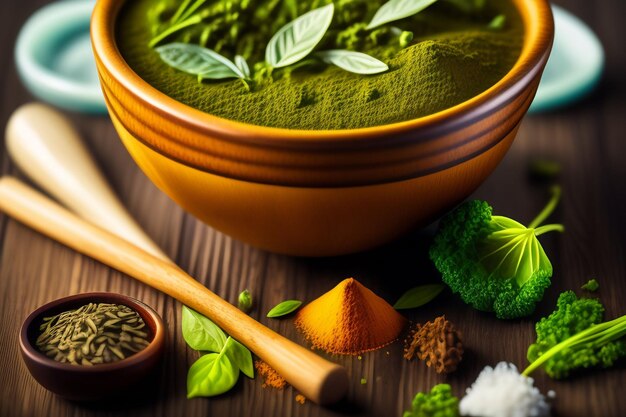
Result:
x=318 y=379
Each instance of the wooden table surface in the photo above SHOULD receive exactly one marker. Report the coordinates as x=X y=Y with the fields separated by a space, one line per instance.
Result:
x=587 y=139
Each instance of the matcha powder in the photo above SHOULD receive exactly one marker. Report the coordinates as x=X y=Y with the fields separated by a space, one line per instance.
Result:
x=452 y=58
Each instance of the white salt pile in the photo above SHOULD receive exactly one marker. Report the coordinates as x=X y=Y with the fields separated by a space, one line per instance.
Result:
x=503 y=392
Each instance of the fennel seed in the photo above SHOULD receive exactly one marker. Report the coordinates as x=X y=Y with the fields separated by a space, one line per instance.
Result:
x=93 y=334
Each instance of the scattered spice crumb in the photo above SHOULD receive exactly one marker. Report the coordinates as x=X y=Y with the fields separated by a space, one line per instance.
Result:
x=437 y=342
x=300 y=399
x=363 y=381
x=359 y=357
x=271 y=378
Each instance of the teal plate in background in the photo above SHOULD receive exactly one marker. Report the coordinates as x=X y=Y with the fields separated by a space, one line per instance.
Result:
x=575 y=65
x=55 y=60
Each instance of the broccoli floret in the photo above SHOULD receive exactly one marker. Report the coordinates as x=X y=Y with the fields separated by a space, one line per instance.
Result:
x=494 y=263
x=440 y=402
x=591 y=286
x=574 y=337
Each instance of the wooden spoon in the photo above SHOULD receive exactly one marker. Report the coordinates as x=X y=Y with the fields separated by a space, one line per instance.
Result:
x=57 y=158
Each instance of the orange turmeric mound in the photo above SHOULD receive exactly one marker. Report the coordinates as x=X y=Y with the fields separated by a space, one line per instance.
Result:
x=349 y=319
x=271 y=378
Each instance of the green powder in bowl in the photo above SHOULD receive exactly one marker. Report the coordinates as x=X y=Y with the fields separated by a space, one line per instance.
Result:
x=444 y=55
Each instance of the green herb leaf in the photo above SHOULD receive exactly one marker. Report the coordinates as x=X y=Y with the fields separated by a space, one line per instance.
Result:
x=242 y=64
x=513 y=251
x=418 y=296
x=356 y=62
x=240 y=356
x=200 y=333
x=298 y=38
x=284 y=308
x=211 y=375
x=398 y=9
x=498 y=22
x=196 y=60
x=591 y=285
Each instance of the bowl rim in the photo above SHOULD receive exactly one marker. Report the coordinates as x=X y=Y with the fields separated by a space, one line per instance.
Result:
x=538 y=36
x=145 y=311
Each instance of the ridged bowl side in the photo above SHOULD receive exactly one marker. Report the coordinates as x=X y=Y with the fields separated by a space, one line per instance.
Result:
x=318 y=193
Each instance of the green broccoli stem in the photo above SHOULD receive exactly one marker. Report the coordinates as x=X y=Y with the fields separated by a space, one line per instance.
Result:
x=596 y=335
x=547 y=211
x=549 y=228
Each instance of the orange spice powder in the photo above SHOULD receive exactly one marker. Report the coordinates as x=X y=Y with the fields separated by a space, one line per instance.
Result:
x=300 y=399
x=349 y=319
x=271 y=378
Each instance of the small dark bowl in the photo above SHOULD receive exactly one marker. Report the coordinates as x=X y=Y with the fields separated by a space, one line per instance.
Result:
x=90 y=383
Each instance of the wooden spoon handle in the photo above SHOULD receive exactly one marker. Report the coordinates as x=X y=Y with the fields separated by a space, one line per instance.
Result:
x=318 y=379
x=48 y=149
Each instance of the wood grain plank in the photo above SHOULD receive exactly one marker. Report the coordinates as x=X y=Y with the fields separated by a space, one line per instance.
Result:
x=586 y=139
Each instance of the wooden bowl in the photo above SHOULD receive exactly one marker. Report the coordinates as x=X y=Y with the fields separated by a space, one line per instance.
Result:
x=318 y=193
x=88 y=383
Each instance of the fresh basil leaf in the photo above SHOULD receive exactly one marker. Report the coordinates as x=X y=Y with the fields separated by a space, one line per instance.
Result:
x=212 y=374
x=242 y=64
x=196 y=60
x=240 y=356
x=298 y=38
x=398 y=9
x=418 y=296
x=284 y=308
x=356 y=62
x=200 y=333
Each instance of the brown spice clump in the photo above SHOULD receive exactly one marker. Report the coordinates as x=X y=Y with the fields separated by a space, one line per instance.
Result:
x=300 y=399
x=437 y=342
x=271 y=378
x=349 y=319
